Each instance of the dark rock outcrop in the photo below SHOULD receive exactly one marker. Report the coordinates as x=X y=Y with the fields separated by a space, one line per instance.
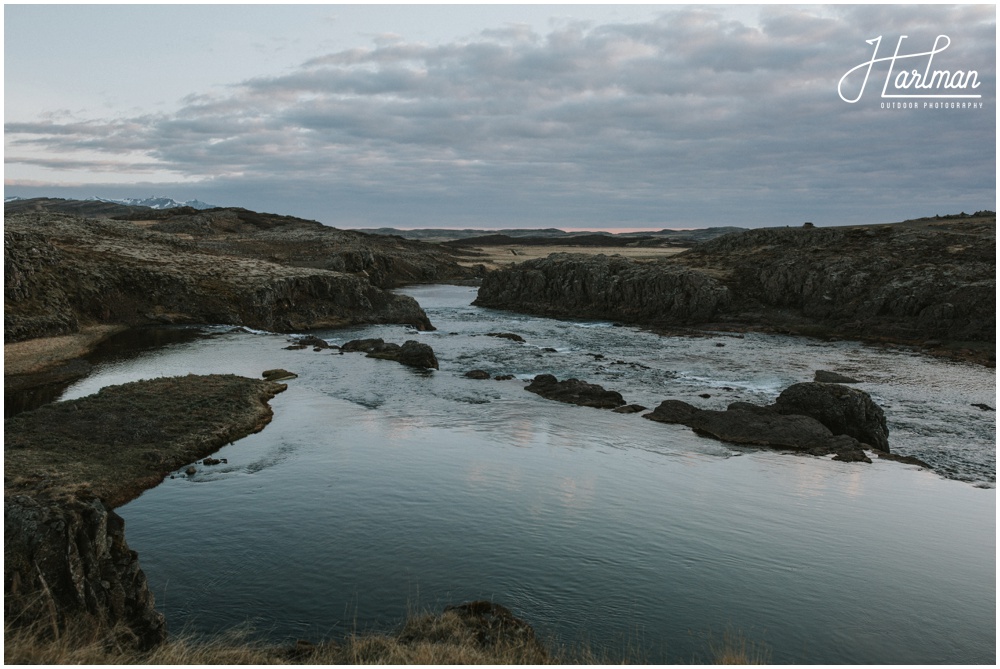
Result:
x=62 y=272
x=818 y=418
x=478 y=374
x=362 y=345
x=580 y=286
x=841 y=409
x=575 y=391
x=69 y=559
x=278 y=375
x=411 y=353
x=417 y=354
x=914 y=282
x=67 y=464
x=743 y=423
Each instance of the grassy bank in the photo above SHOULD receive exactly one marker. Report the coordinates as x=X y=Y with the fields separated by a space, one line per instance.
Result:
x=448 y=638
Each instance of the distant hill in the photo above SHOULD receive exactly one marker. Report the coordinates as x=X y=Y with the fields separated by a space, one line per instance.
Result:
x=98 y=206
x=554 y=236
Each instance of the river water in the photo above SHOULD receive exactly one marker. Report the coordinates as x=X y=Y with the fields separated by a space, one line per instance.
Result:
x=379 y=489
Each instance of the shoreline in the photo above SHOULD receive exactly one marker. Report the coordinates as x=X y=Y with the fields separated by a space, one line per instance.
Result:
x=42 y=354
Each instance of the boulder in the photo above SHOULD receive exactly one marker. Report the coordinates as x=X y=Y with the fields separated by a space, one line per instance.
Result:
x=575 y=391
x=312 y=340
x=630 y=408
x=841 y=409
x=824 y=376
x=362 y=345
x=278 y=375
x=507 y=335
x=477 y=374
x=417 y=354
x=411 y=353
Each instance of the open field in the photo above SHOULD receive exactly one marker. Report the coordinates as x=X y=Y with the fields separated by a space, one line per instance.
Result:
x=495 y=257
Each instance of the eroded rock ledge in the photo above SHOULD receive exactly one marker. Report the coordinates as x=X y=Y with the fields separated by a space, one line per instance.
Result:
x=926 y=282
x=68 y=465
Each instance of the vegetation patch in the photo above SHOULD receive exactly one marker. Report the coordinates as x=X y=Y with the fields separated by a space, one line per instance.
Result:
x=126 y=439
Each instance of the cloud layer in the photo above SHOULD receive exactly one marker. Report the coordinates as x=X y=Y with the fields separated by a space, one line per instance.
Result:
x=692 y=119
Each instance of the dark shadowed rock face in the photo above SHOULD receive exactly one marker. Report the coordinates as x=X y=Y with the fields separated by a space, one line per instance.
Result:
x=63 y=272
x=580 y=286
x=69 y=559
x=841 y=409
x=575 y=391
x=912 y=282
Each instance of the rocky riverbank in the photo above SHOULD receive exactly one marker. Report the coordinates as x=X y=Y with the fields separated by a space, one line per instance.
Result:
x=930 y=282
x=68 y=465
x=64 y=272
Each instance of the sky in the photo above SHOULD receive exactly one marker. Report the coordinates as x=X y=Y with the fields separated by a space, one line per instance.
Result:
x=509 y=116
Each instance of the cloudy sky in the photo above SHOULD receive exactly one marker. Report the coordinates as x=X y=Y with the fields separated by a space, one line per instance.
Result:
x=594 y=116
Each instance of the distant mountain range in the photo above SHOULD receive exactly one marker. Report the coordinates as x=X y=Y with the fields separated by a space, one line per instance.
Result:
x=151 y=202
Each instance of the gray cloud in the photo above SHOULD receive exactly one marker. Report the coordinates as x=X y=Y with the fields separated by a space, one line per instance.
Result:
x=694 y=118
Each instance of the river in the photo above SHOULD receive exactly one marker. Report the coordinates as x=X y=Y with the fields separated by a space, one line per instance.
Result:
x=380 y=489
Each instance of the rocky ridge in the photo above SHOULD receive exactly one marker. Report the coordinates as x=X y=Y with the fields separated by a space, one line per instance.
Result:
x=62 y=272
x=927 y=282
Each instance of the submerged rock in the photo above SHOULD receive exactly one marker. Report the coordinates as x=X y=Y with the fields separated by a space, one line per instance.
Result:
x=478 y=374
x=575 y=391
x=507 y=335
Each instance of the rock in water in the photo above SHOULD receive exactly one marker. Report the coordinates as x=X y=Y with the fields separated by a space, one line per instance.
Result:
x=824 y=376
x=477 y=374
x=363 y=345
x=841 y=409
x=278 y=375
x=743 y=423
x=575 y=391
x=417 y=354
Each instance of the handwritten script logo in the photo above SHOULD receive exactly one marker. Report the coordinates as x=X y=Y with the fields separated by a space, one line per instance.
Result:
x=924 y=85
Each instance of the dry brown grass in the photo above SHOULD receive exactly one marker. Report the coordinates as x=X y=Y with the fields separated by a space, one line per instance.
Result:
x=423 y=639
x=735 y=648
x=495 y=257
x=36 y=355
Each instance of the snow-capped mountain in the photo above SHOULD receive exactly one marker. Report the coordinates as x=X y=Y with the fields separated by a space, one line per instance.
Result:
x=155 y=202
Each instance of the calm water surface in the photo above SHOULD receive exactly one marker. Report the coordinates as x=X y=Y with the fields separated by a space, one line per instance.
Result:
x=379 y=489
